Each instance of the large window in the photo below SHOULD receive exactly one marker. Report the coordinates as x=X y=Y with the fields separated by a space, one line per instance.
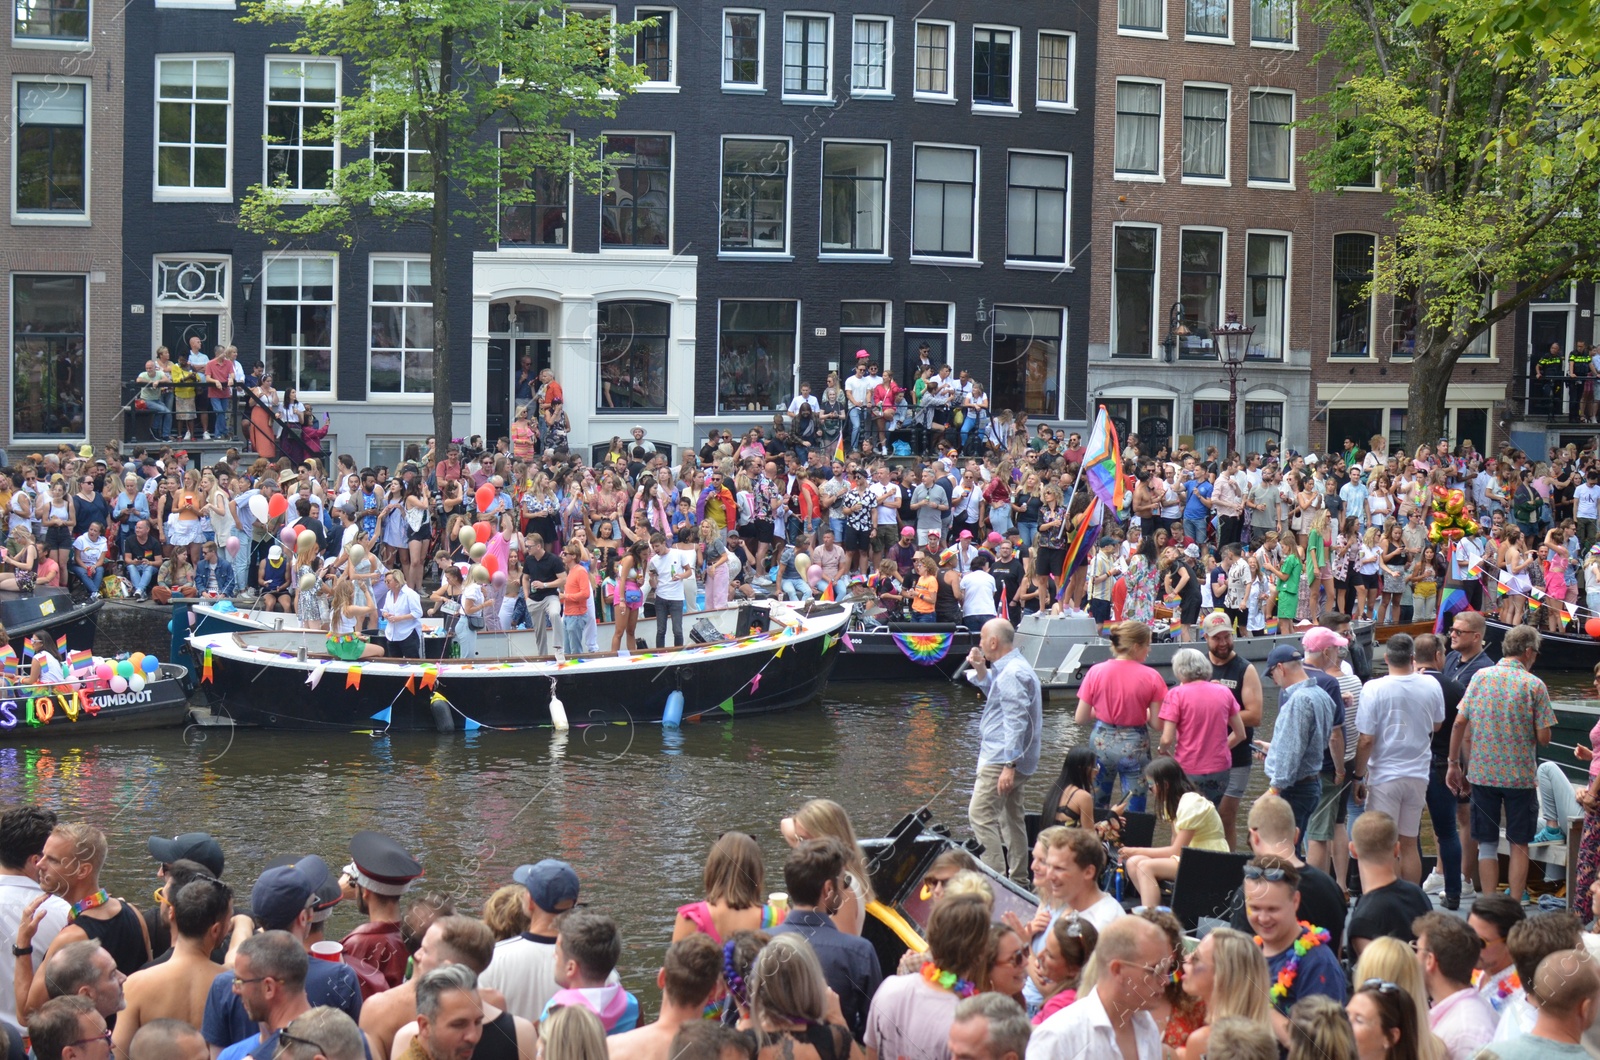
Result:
x=944 y=202
x=935 y=58
x=1403 y=326
x=299 y=321
x=1140 y=16
x=755 y=364
x=542 y=222
x=1133 y=296
x=51 y=164
x=1200 y=288
x=755 y=191
x=993 y=74
x=807 y=52
x=194 y=124
x=741 y=49
x=1206 y=18
x=652 y=48
x=302 y=95
x=870 y=52
x=1056 y=58
x=864 y=326
x=404 y=155
x=49 y=316
x=51 y=20
x=1272 y=21
x=1352 y=302
x=854 y=185
x=1025 y=359
x=402 y=327
x=1266 y=280
x=633 y=338
x=1263 y=423
x=1036 y=207
x=1211 y=422
x=1271 y=138
x=1138 y=129
x=635 y=211
x=1205 y=132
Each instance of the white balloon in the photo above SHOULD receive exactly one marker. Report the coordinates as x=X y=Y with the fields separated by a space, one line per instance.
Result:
x=136 y=683
x=258 y=507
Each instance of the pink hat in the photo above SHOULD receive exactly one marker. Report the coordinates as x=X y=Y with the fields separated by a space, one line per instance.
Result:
x=965 y=535
x=862 y=355
x=993 y=538
x=1321 y=638
x=906 y=531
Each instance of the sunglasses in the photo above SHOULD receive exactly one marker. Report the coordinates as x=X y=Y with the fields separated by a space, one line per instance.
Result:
x=287 y=1041
x=1256 y=872
x=1381 y=986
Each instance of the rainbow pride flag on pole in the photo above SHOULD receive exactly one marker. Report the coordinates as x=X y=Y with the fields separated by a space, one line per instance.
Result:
x=1102 y=464
x=1450 y=601
x=1081 y=545
x=838 y=448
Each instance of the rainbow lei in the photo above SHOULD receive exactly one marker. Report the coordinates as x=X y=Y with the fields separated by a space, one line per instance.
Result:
x=948 y=981
x=1310 y=937
x=94 y=901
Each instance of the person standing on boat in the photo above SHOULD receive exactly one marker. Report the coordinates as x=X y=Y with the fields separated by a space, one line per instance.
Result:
x=1010 y=731
x=1466 y=655
x=403 y=611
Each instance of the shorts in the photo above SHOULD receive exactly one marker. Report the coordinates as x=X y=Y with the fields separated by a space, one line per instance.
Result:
x=1521 y=805
x=1365 y=581
x=1331 y=810
x=1048 y=561
x=1100 y=610
x=857 y=540
x=58 y=537
x=1189 y=611
x=886 y=535
x=422 y=533
x=761 y=531
x=1403 y=799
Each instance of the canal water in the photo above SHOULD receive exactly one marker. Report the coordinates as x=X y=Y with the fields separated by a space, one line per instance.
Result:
x=634 y=809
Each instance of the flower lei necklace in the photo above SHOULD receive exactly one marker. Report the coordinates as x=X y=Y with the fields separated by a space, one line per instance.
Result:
x=1311 y=937
x=94 y=901
x=948 y=981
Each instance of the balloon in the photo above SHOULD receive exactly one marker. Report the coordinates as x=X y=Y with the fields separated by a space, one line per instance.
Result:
x=308 y=582
x=482 y=531
x=1592 y=627
x=357 y=553
x=151 y=664
x=277 y=505
x=484 y=497
x=119 y=684
x=491 y=564
x=103 y=671
x=233 y=545
x=136 y=660
x=287 y=536
x=466 y=537
x=258 y=508
x=125 y=668
x=136 y=683
x=304 y=538
x=477 y=550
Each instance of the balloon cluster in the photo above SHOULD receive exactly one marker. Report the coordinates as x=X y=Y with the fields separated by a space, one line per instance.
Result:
x=1450 y=522
x=127 y=675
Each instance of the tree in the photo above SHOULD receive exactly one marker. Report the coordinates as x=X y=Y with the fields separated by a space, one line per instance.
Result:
x=1481 y=142
x=488 y=89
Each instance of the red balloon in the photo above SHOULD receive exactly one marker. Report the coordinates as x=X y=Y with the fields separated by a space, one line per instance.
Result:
x=491 y=563
x=1592 y=627
x=277 y=505
x=484 y=497
x=482 y=532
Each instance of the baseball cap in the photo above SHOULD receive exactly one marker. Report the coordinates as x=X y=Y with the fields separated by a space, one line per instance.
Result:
x=283 y=892
x=552 y=884
x=326 y=895
x=1215 y=622
x=906 y=531
x=1320 y=638
x=965 y=535
x=993 y=538
x=1283 y=653
x=193 y=846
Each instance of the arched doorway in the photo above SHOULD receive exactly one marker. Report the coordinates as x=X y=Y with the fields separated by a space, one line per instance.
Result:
x=519 y=330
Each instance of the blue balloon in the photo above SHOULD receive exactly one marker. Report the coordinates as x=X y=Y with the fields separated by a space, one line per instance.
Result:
x=169 y=626
x=149 y=664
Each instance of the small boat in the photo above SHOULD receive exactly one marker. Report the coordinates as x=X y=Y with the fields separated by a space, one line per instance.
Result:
x=1381 y=634
x=222 y=617
x=1557 y=651
x=1063 y=647
x=904 y=651
x=755 y=658
x=54 y=611
x=86 y=712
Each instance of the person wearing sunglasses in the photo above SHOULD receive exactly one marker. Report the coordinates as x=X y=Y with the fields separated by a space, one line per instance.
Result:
x=69 y=1028
x=1114 y=1020
x=1272 y=903
x=1447 y=952
x=1384 y=1019
x=324 y=1033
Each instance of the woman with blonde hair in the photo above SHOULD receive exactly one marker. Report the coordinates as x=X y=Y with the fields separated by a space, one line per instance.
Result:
x=790 y=1012
x=1320 y=1030
x=1388 y=960
x=1123 y=697
x=822 y=819
x=734 y=881
x=20 y=564
x=1228 y=974
x=572 y=1032
x=505 y=914
x=345 y=616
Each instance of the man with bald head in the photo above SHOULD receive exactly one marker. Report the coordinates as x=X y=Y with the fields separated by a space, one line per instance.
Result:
x=1113 y=1021
x=1008 y=753
x=168 y=1040
x=1568 y=989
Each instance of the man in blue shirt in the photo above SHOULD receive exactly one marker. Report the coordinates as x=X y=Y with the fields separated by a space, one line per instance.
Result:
x=1354 y=496
x=1304 y=728
x=271 y=980
x=1008 y=752
x=1197 y=506
x=815 y=877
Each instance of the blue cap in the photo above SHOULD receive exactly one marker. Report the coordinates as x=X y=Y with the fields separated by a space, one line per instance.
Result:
x=552 y=884
x=282 y=893
x=1283 y=653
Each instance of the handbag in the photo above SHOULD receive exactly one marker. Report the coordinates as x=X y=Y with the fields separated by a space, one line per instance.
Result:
x=475 y=622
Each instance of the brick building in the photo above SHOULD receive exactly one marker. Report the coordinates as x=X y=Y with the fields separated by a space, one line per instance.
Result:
x=62 y=250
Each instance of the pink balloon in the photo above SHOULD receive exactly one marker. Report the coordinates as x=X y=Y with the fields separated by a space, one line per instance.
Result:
x=233 y=545
x=287 y=535
x=119 y=683
x=103 y=671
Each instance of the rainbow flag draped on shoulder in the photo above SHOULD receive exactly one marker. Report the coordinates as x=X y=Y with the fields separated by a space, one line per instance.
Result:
x=1080 y=546
x=1102 y=465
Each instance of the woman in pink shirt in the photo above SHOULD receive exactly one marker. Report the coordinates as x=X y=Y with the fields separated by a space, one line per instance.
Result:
x=1201 y=719
x=1122 y=696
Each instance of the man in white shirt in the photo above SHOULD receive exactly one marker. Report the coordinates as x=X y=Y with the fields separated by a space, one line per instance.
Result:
x=668 y=570
x=402 y=609
x=1074 y=868
x=802 y=399
x=886 y=516
x=1405 y=708
x=858 y=393
x=1587 y=497
x=1113 y=1021
x=23 y=830
x=524 y=966
x=1447 y=951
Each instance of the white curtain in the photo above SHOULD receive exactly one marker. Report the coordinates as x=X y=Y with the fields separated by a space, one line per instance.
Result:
x=1139 y=14
x=1268 y=266
x=1138 y=127
x=1205 y=132
x=1270 y=115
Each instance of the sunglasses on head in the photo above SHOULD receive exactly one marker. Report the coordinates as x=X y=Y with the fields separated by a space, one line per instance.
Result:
x=1381 y=986
x=1256 y=872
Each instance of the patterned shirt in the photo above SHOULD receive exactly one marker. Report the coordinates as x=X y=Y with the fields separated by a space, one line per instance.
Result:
x=1505 y=705
x=861 y=518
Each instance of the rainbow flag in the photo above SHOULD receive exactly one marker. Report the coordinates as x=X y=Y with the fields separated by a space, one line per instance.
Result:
x=1102 y=464
x=924 y=648
x=1450 y=601
x=828 y=593
x=838 y=448
x=1081 y=545
x=8 y=659
x=80 y=660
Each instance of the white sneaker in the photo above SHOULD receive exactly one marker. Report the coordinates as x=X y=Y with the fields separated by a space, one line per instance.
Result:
x=206 y=436
x=1434 y=884
x=1467 y=892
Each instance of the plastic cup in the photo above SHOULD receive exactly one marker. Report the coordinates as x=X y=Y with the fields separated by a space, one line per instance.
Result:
x=327 y=950
x=778 y=900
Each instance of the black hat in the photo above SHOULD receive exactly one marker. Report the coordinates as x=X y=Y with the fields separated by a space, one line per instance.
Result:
x=194 y=846
x=380 y=864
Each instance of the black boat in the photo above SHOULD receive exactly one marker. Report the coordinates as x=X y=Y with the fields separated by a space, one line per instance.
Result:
x=1557 y=651
x=752 y=659
x=904 y=651
x=52 y=610
x=33 y=713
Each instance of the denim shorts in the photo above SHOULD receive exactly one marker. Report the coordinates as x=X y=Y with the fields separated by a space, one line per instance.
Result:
x=1521 y=808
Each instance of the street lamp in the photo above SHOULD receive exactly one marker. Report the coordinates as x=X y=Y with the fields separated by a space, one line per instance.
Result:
x=247 y=283
x=1233 y=346
x=1177 y=331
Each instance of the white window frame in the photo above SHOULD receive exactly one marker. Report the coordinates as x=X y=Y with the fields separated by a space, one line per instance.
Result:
x=212 y=5
x=11 y=351
x=391 y=395
x=787 y=251
x=191 y=194
x=809 y=98
x=1288 y=287
x=1071 y=105
x=1155 y=293
x=1294 y=107
x=1063 y=265
x=57 y=43
x=1160 y=175
x=1204 y=38
x=983 y=106
x=887 y=91
x=949 y=95
x=974 y=261
x=52 y=218
x=671 y=84
x=884 y=332
x=624 y=250
x=948 y=331
x=1292 y=44
x=297 y=194
x=824 y=254
x=1222 y=278
x=761 y=51
x=501 y=245
x=333 y=319
x=760 y=415
x=1149 y=34
x=406 y=152
x=1226 y=180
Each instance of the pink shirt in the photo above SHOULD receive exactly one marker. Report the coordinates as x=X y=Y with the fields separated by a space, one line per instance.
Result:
x=1121 y=691
x=1201 y=710
x=1594 y=745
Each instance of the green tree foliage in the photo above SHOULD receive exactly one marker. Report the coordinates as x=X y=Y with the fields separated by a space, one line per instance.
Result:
x=1482 y=142
x=487 y=88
